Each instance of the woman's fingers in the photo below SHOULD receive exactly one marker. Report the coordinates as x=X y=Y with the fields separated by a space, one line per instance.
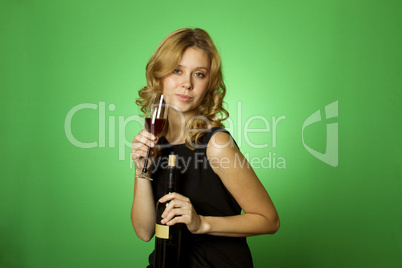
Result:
x=175 y=201
x=182 y=215
x=139 y=153
x=141 y=142
x=145 y=138
x=175 y=204
x=180 y=210
x=179 y=219
x=171 y=196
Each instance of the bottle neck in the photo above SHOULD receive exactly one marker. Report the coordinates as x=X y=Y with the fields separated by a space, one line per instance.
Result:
x=171 y=182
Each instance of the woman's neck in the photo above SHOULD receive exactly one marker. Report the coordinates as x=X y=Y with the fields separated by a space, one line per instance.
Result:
x=176 y=133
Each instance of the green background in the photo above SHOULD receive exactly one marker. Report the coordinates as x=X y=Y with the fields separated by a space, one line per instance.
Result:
x=64 y=206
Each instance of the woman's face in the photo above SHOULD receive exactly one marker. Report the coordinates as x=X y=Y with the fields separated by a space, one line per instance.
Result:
x=186 y=86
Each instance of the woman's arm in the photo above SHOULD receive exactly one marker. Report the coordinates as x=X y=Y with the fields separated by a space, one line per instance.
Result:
x=240 y=179
x=143 y=209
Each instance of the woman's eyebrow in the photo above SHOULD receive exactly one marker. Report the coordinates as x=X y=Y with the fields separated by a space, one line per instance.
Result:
x=201 y=67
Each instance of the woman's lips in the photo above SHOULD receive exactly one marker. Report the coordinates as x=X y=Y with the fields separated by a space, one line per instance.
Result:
x=184 y=98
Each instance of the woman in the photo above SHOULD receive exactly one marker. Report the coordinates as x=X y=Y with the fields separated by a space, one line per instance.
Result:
x=215 y=183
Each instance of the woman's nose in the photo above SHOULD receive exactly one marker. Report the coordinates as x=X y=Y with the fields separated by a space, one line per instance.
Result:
x=186 y=83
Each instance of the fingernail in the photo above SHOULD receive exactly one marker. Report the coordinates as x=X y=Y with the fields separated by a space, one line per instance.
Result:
x=152 y=144
x=153 y=137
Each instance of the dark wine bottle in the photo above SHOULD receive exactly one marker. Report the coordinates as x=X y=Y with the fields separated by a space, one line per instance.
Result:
x=167 y=238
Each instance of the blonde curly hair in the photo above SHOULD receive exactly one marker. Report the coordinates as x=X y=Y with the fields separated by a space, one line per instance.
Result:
x=162 y=63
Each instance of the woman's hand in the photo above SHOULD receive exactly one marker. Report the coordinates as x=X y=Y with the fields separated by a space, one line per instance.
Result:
x=180 y=210
x=141 y=142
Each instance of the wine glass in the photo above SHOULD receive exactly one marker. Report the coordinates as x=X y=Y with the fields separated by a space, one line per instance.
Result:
x=155 y=121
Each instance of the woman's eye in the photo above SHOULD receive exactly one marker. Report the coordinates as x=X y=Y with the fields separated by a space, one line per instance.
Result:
x=176 y=71
x=200 y=75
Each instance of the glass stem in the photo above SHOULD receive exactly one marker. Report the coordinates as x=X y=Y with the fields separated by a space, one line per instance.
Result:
x=145 y=168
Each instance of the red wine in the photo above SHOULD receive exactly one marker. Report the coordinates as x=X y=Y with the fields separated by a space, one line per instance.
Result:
x=156 y=127
x=167 y=238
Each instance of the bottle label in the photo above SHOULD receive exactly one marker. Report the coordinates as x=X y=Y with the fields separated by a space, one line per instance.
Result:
x=162 y=231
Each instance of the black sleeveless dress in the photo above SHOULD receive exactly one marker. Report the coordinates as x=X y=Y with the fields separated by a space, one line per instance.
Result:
x=209 y=196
